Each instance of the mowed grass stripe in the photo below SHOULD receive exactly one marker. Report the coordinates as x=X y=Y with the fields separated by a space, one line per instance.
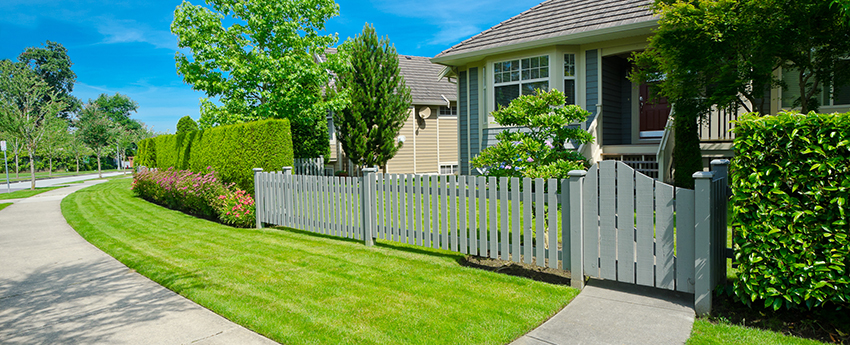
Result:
x=300 y=288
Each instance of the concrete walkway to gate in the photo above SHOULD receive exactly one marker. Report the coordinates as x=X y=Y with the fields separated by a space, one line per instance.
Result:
x=608 y=312
x=56 y=288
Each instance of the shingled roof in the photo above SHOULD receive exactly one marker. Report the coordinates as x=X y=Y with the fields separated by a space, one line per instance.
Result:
x=557 y=18
x=420 y=75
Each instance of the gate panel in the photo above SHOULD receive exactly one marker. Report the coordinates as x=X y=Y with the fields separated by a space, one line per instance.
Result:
x=625 y=223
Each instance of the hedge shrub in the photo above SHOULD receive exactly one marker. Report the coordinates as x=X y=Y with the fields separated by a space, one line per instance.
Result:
x=791 y=183
x=232 y=151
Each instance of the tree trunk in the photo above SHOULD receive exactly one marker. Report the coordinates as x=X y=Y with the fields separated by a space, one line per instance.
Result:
x=17 y=165
x=78 y=164
x=687 y=156
x=99 y=175
x=50 y=167
x=32 y=171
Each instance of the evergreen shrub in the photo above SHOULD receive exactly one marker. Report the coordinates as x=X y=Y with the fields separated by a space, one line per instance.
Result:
x=232 y=151
x=791 y=183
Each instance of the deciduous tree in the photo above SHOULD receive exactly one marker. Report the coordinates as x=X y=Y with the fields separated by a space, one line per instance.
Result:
x=28 y=107
x=96 y=131
x=255 y=58
x=379 y=101
x=52 y=63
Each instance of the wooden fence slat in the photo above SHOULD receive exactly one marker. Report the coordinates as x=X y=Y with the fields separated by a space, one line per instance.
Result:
x=482 y=216
x=591 y=222
x=435 y=212
x=346 y=207
x=390 y=207
x=323 y=198
x=527 y=244
x=553 y=223
x=645 y=240
x=685 y=240
x=607 y=214
x=664 y=240
x=444 y=201
x=453 y=191
x=493 y=238
x=463 y=231
x=281 y=197
x=419 y=191
x=515 y=215
x=409 y=228
x=625 y=223
x=398 y=221
x=504 y=216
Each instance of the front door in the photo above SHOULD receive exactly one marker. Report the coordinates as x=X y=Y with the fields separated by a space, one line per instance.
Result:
x=653 y=114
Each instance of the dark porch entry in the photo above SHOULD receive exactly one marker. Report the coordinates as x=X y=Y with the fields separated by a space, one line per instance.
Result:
x=654 y=111
x=617 y=103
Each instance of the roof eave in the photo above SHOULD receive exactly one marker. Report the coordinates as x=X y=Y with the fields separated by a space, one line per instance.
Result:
x=585 y=37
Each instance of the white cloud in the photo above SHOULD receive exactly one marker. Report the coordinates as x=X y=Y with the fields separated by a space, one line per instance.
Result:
x=128 y=31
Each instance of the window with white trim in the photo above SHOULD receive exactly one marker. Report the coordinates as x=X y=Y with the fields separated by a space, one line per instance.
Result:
x=449 y=169
x=448 y=111
x=570 y=78
x=522 y=76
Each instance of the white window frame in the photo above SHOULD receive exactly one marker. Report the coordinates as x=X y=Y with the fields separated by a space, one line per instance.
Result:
x=453 y=167
x=573 y=77
x=520 y=81
x=452 y=110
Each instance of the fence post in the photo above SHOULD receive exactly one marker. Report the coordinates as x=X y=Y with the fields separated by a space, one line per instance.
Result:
x=703 y=246
x=258 y=200
x=720 y=167
x=366 y=202
x=576 y=195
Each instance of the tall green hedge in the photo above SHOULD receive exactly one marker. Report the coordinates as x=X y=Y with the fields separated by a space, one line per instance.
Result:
x=232 y=151
x=791 y=183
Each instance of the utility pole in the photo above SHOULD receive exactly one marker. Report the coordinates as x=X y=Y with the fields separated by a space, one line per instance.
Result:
x=6 y=163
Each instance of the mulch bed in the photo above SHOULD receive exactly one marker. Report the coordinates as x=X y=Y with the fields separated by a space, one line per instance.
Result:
x=542 y=274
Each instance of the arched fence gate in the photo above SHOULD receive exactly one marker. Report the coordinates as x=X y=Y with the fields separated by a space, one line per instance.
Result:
x=609 y=222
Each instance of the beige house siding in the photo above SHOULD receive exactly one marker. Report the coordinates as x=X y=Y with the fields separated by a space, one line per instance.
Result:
x=403 y=161
x=427 y=143
x=448 y=140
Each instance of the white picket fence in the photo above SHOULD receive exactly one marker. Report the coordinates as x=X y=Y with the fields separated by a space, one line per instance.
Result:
x=309 y=166
x=609 y=222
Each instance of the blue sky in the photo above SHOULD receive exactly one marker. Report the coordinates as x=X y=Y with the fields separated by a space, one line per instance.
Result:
x=127 y=46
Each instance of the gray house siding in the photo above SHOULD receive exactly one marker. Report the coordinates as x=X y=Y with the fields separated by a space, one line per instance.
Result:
x=474 y=116
x=592 y=83
x=616 y=102
x=463 y=122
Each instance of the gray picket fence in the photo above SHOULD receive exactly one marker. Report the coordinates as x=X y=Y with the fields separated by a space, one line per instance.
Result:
x=609 y=222
x=309 y=166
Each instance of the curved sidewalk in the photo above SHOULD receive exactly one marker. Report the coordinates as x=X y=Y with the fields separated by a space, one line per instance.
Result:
x=56 y=288
x=607 y=312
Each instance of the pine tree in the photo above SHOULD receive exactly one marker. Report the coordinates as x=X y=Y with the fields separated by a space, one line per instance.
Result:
x=379 y=101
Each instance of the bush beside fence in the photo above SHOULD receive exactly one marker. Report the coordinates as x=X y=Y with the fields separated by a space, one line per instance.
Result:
x=232 y=151
x=791 y=178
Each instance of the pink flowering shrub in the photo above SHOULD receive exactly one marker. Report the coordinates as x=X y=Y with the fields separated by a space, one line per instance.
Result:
x=198 y=194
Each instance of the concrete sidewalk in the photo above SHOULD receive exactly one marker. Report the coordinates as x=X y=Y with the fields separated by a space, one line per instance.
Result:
x=608 y=312
x=56 y=288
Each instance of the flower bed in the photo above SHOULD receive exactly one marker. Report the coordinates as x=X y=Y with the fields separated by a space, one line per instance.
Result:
x=198 y=194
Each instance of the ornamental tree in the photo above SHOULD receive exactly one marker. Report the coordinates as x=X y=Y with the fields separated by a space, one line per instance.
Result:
x=95 y=130
x=539 y=150
x=52 y=63
x=28 y=107
x=186 y=124
x=379 y=100
x=255 y=58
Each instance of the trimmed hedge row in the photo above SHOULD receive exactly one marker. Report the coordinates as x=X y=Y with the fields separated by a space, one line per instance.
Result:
x=791 y=183
x=232 y=151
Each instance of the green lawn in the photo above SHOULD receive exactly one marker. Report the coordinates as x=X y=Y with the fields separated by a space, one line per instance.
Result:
x=296 y=287
x=24 y=175
x=705 y=332
x=4 y=205
x=26 y=193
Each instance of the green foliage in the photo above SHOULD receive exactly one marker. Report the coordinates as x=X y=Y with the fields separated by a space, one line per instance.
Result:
x=117 y=109
x=791 y=183
x=538 y=150
x=260 y=66
x=53 y=65
x=232 y=151
x=380 y=101
x=186 y=124
x=725 y=53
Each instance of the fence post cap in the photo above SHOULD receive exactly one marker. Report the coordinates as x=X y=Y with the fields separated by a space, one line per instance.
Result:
x=286 y=168
x=720 y=162
x=369 y=170
x=256 y=170
x=577 y=173
x=703 y=174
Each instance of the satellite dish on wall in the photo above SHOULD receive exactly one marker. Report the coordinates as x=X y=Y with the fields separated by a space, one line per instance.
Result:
x=424 y=112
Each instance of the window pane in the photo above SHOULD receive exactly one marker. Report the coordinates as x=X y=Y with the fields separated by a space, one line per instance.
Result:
x=529 y=88
x=791 y=92
x=569 y=65
x=570 y=91
x=525 y=63
x=514 y=65
x=526 y=75
x=842 y=95
x=505 y=94
x=544 y=60
x=497 y=67
x=515 y=76
x=498 y=78
x=535 y=62
x=535 y=73
x=544 y=72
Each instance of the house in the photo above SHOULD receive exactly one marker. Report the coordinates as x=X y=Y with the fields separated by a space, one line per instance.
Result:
x=582 y=47
x=429 y=135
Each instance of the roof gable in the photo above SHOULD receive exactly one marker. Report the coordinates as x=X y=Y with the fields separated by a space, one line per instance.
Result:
x=557 y=18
